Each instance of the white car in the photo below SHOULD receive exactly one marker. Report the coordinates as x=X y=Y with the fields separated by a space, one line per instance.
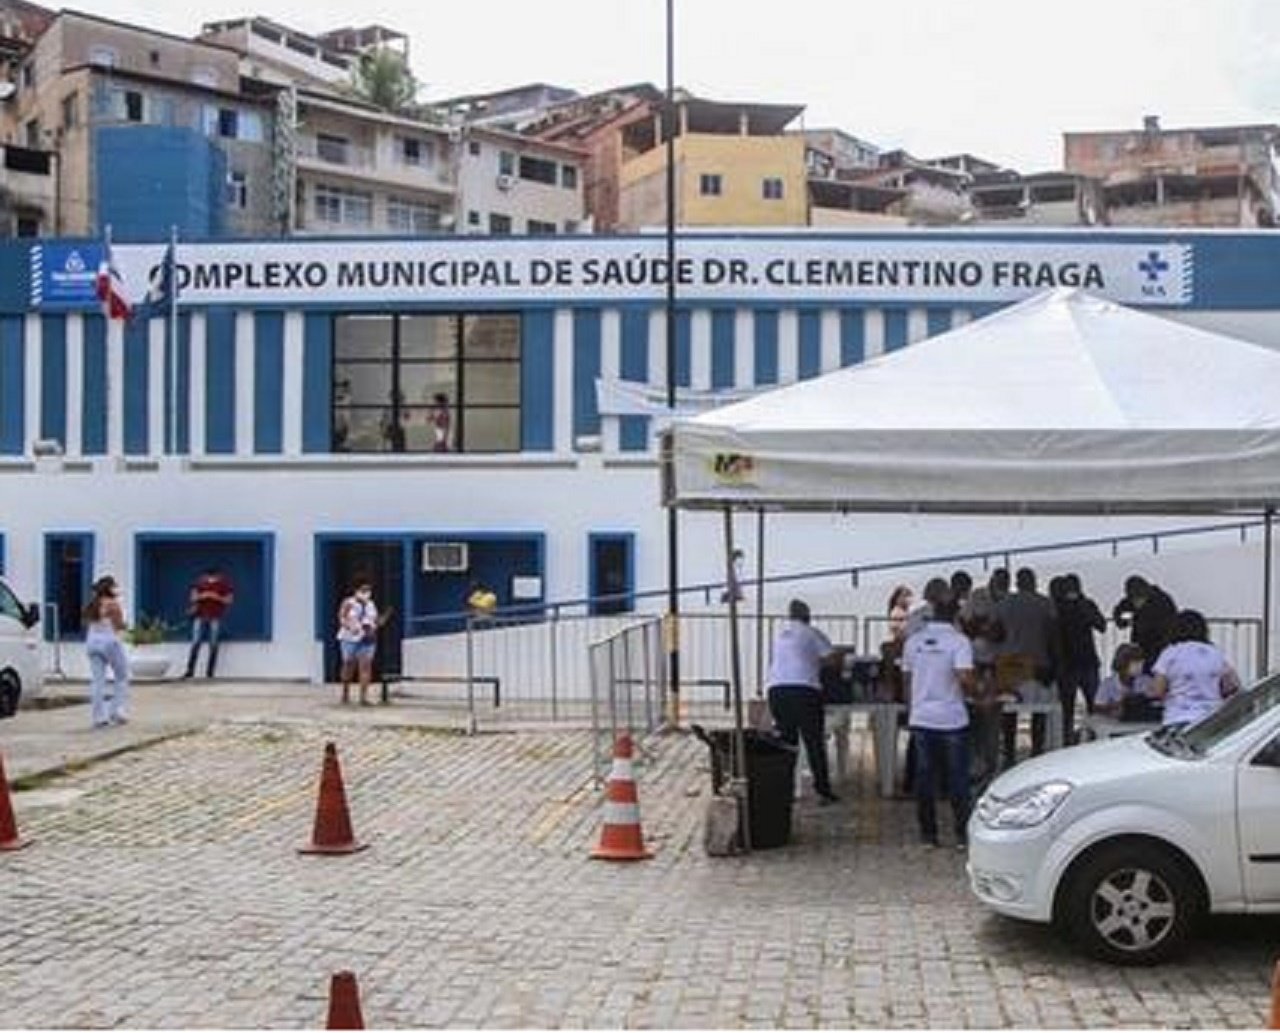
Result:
x=1126 y=843
x=20 y=664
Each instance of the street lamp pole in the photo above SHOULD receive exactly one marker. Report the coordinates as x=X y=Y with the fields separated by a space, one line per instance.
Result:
x=673 y=525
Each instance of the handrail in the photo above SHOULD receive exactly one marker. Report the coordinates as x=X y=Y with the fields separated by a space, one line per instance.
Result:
x=553 y=609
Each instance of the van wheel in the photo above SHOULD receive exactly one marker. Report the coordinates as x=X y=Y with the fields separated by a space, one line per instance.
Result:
x=10 y=693
x=1131 y=904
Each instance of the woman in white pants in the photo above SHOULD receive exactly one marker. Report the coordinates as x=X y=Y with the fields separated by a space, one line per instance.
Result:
x=105 y=620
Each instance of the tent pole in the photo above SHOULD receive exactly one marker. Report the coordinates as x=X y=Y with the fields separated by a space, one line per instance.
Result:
x=759 y=603
x=735 y=663
x=1264 y=647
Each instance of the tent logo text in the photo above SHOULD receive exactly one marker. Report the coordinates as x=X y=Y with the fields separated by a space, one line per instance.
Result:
x=733 y=468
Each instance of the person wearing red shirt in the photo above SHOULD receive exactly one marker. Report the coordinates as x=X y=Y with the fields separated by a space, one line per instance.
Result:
x=211 y=597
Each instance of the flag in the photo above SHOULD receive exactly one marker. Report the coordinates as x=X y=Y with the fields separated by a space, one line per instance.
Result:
x=162 y=287
x=110 y=288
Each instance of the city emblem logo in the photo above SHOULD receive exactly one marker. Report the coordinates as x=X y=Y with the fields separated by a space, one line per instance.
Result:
x=733 y=468
x=1153 y=268
x=74 y=263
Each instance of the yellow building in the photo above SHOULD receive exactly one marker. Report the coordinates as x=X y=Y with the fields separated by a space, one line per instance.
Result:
x=735 y=166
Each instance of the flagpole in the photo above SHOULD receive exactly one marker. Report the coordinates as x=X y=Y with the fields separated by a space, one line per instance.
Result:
x=171 y=338
x=114 y=433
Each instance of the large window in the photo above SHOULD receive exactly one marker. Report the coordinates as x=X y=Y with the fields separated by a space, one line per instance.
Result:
x=407 y=216
x=169 y=563
x=537 y=170
x=343 y=207
x=232 y=124
x=426 y=383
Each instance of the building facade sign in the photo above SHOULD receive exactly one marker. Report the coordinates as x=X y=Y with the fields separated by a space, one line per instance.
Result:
x=708 y=269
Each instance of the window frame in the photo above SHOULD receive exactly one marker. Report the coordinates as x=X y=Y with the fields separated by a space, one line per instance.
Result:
x=237 y=189
x=772 y=188
x=458 y=362
x=324 y=195
x=710 y=184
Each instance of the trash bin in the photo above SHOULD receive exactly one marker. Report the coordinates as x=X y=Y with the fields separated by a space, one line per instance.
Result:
x=771 y=773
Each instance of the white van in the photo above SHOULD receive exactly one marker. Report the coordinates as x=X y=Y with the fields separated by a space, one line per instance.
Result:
x=20 y=667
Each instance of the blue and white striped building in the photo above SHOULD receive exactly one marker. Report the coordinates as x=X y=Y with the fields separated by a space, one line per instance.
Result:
x=285 y=432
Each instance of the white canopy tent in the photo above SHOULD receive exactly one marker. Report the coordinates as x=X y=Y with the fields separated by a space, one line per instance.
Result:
x=1062 y=404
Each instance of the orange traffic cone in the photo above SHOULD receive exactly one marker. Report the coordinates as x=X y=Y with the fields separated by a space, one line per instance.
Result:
x=344 y=1002
x=621 y=838
x=1275 y=998
x=332 y=834
x=9 y=838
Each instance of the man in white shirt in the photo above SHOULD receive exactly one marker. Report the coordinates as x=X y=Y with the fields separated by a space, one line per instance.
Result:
x=937 y=664
x=795 y=691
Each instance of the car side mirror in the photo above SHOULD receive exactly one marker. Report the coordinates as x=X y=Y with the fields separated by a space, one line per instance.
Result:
x=31 y=615
x=1269 y=755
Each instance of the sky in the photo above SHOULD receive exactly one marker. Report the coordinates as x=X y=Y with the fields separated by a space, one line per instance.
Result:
x=1002 y=79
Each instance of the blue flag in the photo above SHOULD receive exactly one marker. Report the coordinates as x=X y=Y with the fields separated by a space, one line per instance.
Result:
x=162 y=290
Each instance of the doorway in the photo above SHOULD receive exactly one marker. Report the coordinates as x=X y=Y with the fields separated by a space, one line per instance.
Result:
x=344 y=560
x=610 y=566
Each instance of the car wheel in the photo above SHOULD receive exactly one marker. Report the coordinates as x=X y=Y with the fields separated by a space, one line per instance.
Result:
x=10 y=693
x=1132 y=904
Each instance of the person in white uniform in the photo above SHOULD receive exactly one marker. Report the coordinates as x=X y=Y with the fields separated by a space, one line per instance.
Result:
x=1127 y=690
x=795 y=691
x=937 y=664
x=104 y=617
x=1192 y=674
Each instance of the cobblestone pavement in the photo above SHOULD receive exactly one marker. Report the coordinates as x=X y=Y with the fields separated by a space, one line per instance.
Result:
x=163 y=889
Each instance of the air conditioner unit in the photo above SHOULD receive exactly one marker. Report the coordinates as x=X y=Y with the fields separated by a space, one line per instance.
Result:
x=445 y=558
x=506 y=181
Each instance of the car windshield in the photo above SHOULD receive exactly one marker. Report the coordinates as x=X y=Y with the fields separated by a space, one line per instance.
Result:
x=1239 y=711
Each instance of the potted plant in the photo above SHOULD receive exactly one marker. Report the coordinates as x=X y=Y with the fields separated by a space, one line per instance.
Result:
x=147 y=658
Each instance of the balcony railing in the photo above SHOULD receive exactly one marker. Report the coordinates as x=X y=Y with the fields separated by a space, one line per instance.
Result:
x=337 y=152
x=435 y=175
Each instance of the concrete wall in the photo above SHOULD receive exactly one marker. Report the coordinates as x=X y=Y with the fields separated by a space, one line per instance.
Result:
x=742 y=162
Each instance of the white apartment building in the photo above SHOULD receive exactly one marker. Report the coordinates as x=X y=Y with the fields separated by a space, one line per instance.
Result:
x=360 y=170
x=509 y=183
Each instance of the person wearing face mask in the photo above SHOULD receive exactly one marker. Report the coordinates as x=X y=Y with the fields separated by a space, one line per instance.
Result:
x=1128 y=693
x=1148 y=611
x=1078 y=619
x=358 y=625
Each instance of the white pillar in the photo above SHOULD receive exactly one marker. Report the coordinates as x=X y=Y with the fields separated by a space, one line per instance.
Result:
x=744 y=348
x=610 y=369
x=196 y=401
x=700 y=350
x=917 y=325
x=115 y=388
x=830 y=325
x=291 y=403
x=33 y=345
x=562 y=361
x=156 y=393
x=74 y=445
x=658 y=348
x=873 y=326
x=244 y=376
x=788 y=346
